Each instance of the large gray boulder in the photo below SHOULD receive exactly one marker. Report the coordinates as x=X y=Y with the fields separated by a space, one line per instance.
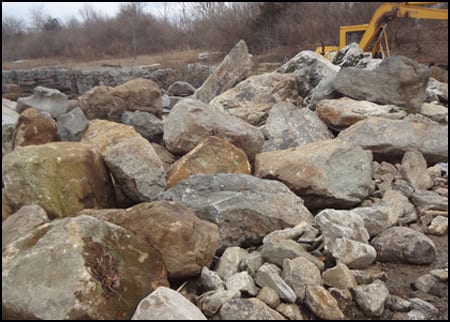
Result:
x=244 y=207
x=71 y=125
x=288 y=126
x=78 y=268
x=390 y=139
x=328 y=173
x=308 y=68
x=191 y=121
x=233 y=69
x=44 y=99
x=252 y=98
x=397 y=80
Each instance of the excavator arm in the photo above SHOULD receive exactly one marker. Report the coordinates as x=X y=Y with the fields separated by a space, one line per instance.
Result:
x=374 y=34
x=372 y=37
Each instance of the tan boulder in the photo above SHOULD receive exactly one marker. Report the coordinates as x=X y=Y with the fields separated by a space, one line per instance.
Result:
x=104 y=102
x=186 y=243
x=252 y=98
x=328 y=173
x=61 y=177
x=34 y=127
x=212 y=155
x=134 y=164
x=343 y=112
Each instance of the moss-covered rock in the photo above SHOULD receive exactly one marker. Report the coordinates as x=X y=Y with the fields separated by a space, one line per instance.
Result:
x=61 y=177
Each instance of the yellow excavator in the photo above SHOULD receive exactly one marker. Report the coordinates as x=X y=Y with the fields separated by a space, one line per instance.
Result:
x=372 y=37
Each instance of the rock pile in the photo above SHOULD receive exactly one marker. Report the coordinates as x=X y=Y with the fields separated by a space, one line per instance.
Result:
x=237 y=201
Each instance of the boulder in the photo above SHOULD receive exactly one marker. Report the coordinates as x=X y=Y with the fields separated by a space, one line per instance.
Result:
x=404 y=245
x=436 y=112
x=9 y=121
x=78 y=268
x=269 y=275
x=212 y=155
x=71 y=125
x=61 y=177
x=104 y=102
x=288 y=126
x=345 y=237
x=146 y=124
x=167 y=304
x=371 y=298
x=390 y=139
x=343 y=112
x=133 y=162
x=244 y=207
x=136 y=168
x=328 y=173
x=252 y=99
x=322 y=303
x=180 y=88
x=22 y=222
x=299 y=273
x=34 y=127
x=309 y=68
x=191 y=121
x=46 y=100
x=248 y=309
x=228 y=263
x=397 y=80
x=350 y=55
x=185 y=242
x=234 y=68
x=414 y=170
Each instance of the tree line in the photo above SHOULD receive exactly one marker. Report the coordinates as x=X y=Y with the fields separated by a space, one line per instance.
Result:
x=195 y=25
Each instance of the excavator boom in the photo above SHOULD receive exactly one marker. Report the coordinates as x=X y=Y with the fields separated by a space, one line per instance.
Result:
x=372 y=36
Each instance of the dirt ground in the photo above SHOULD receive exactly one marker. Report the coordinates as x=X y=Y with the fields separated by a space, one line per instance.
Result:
x=401 y=276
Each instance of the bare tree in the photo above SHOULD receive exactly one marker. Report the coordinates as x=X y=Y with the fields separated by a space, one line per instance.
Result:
x=38 y=17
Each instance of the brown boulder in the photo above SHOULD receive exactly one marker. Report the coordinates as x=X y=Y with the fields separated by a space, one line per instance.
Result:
x=212 y=155
x=34 y=127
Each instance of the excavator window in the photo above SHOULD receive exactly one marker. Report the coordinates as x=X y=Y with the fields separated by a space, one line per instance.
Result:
x=353 y=36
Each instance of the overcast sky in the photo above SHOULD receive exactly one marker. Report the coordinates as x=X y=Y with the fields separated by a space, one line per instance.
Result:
x=63 y=10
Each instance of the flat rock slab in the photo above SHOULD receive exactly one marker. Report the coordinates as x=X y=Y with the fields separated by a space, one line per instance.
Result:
x=244 y=207
x=48 y=100
x=328 y=173
x=390 y=139
x=343 y=112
